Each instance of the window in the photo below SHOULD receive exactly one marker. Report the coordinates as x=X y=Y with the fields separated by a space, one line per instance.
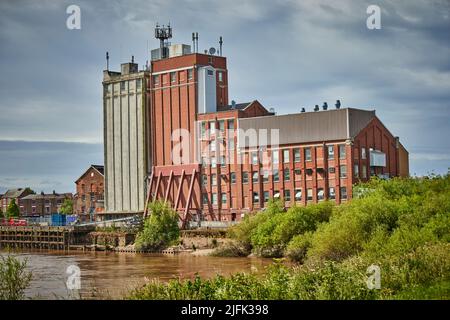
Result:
x=122 y=85
x=331 y=193
x=343 y=192
x=138 y=83
x=297 y=155
x=212 y=146
x=156 y=79
x=231 y=144
x=364 y=171
x=92 y=196
x=343 y=172
x=173 y=77
x=331 y=170
x=287 y=195
x=255 y=176
x=309 y=195
x=308 y=154
x=254 y=156
x=224 y=198
x=276 y=194
x=213 y=162
x=286 y=175
x=212 y=127
x=47 y=209
x=245 y=177
x=276 y=176
x=266 y=196
x=205 y=198
x=363 y=153
x=266 y=176
x=233 y=177
x=275 y=159
x=220 y=76
x=320 y=194
x=210 y=73
x=203 y=129
x=286 y=155
x=204 y=179
x=190 y=73
x=298 y=174
x=330 y=152
x=214 y=179
x=230 y=124
x=298 y=194
x=222 y=161
x=221 y=125
x=356 y=171
x=214 y=198
x=255 y=197
x=342 y=151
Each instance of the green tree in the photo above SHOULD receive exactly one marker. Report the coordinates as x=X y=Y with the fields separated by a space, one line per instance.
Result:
x=160 y=228
x=66 y=207
x=13 y=209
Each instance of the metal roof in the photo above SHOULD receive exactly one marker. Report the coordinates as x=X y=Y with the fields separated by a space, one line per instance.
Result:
x=328 y=125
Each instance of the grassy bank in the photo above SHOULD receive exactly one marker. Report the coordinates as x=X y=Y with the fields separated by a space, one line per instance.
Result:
x=401 y=225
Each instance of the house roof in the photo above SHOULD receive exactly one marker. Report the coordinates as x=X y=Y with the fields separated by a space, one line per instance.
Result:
x=14 y=193
x=237 y=106
x=99 y=168
x=40 y=196
x=329 y=125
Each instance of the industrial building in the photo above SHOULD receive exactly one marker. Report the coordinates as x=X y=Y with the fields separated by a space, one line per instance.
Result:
x=170 y=133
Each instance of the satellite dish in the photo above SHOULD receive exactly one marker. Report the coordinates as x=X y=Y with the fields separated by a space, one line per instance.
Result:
x=212 y=51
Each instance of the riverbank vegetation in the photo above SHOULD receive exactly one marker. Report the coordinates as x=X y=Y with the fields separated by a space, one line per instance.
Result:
x=14 y=278
x=401 y=226
x=160 y=228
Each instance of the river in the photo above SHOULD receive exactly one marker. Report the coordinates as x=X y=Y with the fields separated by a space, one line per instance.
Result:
x=108 y=275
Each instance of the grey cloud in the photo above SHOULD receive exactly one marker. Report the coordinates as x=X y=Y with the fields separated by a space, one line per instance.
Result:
x=286 y=54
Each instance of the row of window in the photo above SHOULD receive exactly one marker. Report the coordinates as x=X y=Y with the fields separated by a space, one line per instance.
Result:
x=286 y=195
x=212 y=126
x=173 y=76
x=123 y=85
x=275 y=174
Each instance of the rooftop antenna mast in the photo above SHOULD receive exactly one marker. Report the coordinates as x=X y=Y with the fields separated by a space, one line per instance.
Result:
x=220 y=45
x=163 y=34
x=107 y=60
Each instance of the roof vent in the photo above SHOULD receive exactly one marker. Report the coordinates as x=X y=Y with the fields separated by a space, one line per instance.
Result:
x=316 y=108
x=338 y=104
x=325 y=106
x=303 y=110
x=272 y=110
x=233 y=104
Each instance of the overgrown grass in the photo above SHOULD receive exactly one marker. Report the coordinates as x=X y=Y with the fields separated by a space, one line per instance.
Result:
x=400 y=225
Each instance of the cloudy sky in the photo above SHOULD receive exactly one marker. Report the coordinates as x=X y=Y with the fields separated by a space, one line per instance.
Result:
x=286 y=54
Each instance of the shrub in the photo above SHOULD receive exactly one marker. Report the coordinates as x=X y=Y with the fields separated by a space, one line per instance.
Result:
x=14 y=278
x=298 y=247
x=160 y=228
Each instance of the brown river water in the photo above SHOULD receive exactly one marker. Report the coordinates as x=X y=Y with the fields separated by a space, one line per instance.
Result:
x=108 y=275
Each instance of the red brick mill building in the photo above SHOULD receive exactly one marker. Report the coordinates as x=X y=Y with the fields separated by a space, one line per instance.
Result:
x=170 y=133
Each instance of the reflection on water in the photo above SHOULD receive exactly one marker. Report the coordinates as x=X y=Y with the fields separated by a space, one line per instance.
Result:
x=111 y=275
